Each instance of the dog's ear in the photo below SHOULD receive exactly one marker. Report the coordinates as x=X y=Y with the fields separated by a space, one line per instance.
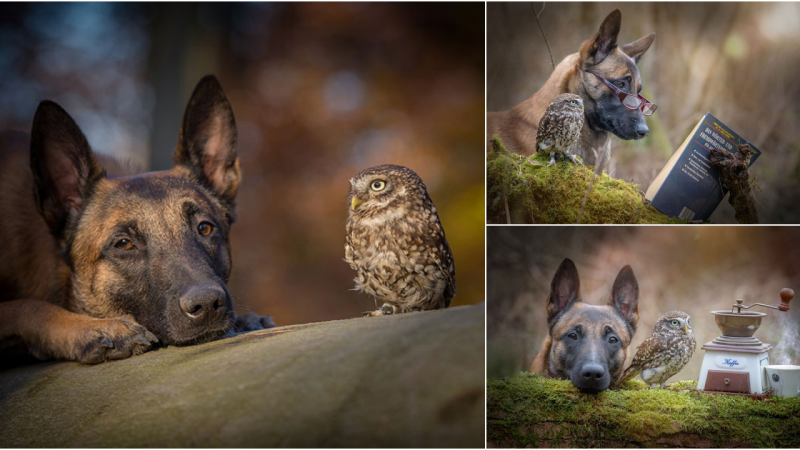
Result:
x=603 y=43
x=564 y=290
x=64 y=169
x=637 y=48
x=207 y=143
x=625 y=296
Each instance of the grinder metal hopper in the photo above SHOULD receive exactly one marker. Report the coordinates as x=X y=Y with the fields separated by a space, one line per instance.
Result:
x=734 y=362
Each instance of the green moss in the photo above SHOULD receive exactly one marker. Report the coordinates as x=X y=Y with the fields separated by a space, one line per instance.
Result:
x=530 y=410
x=536 y=193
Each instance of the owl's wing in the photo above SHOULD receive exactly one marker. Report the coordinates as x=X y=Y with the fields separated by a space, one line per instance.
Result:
x=450 y=270
x=645 y=351
x=544 y=135
x=444 y=261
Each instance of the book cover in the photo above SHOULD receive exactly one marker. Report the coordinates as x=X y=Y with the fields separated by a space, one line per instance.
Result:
x=688 y=187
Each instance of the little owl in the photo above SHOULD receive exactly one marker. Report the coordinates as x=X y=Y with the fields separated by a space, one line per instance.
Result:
x=395 y=242
x=560 y=127
x=665 y=352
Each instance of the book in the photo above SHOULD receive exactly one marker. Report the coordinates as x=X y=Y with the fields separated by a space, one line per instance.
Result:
x=688 y=187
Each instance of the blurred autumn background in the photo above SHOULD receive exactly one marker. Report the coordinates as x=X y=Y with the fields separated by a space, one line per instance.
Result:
x=736 y=60
x=692 y=269
x=319 y=90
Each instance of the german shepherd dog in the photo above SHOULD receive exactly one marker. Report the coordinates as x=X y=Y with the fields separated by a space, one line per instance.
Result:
x=604 y=111
x=98 y=267
x=588 y=344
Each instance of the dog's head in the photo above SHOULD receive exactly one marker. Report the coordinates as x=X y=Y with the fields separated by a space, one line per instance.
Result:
x=589 y=344
x=154 y=245
x=617 y=64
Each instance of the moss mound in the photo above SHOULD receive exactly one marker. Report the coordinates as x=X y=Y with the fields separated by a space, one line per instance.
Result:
x=531 y=410
x=539 y=194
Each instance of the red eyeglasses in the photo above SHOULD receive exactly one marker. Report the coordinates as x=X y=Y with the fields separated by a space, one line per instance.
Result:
x=628 y=100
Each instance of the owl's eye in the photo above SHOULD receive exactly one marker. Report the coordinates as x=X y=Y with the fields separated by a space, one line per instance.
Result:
x=378 y=185
x=124 y=244
x=574 y=102
x=675 y=323
x=205 y=228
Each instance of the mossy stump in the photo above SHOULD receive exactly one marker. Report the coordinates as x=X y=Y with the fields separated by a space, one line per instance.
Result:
x=527 y=191
x=533 y=411
x=409 y=380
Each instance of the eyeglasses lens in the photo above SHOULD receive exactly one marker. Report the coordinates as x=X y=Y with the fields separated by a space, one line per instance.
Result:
x=649 y=109
x=632 y=102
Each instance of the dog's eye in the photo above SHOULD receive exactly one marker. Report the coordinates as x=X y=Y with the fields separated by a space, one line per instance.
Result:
x=124 y=244
x=620 y=84
x=613 y=340
x=378 y=185
x=205 y=228
x=573 y=336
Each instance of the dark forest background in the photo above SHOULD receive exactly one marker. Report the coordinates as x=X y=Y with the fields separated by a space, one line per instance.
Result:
x=736 y=60
x=319 y=91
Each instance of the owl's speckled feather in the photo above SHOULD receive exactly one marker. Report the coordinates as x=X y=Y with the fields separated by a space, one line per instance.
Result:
x=395 y=242
x=665 y=352
x=560 y=126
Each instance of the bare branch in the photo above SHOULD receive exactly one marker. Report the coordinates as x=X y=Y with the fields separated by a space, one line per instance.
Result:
x=544 y=35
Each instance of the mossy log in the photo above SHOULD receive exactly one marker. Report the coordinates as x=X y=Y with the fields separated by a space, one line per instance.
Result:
x=409 y=380
x=533 y=411
x=525 y=190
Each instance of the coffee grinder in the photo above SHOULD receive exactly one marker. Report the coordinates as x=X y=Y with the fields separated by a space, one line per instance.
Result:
x=734 y=363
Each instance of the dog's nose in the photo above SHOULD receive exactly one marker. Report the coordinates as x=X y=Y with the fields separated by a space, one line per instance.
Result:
x=593 y=372
x=642 y=130
x=198 y=302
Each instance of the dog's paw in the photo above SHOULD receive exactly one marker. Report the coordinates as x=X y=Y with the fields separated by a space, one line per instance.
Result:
x=251 y=322
x=108 y=339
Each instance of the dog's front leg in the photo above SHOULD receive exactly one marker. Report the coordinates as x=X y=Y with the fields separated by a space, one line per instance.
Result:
x=50 y=331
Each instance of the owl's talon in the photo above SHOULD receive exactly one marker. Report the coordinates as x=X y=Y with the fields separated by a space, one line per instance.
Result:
x=387 y=310
x=574 y=159
x=552 y=159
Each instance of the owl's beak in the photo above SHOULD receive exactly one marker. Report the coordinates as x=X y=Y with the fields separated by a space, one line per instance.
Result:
x=686 y=330
x=355 y=201
x=581 y=106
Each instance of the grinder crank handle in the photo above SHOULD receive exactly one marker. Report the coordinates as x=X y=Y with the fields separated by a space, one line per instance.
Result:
x=786 y=296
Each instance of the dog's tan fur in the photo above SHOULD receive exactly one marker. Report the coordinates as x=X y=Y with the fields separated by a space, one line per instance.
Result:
x=64 y=293
x=518 y=126
x=559 y=356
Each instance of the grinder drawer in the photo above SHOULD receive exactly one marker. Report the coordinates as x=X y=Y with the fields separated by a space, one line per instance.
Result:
x=728 y=381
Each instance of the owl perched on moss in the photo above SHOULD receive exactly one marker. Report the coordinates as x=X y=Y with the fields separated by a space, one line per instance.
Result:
x=665 y=352
x=560 y=127
x=395 y=242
